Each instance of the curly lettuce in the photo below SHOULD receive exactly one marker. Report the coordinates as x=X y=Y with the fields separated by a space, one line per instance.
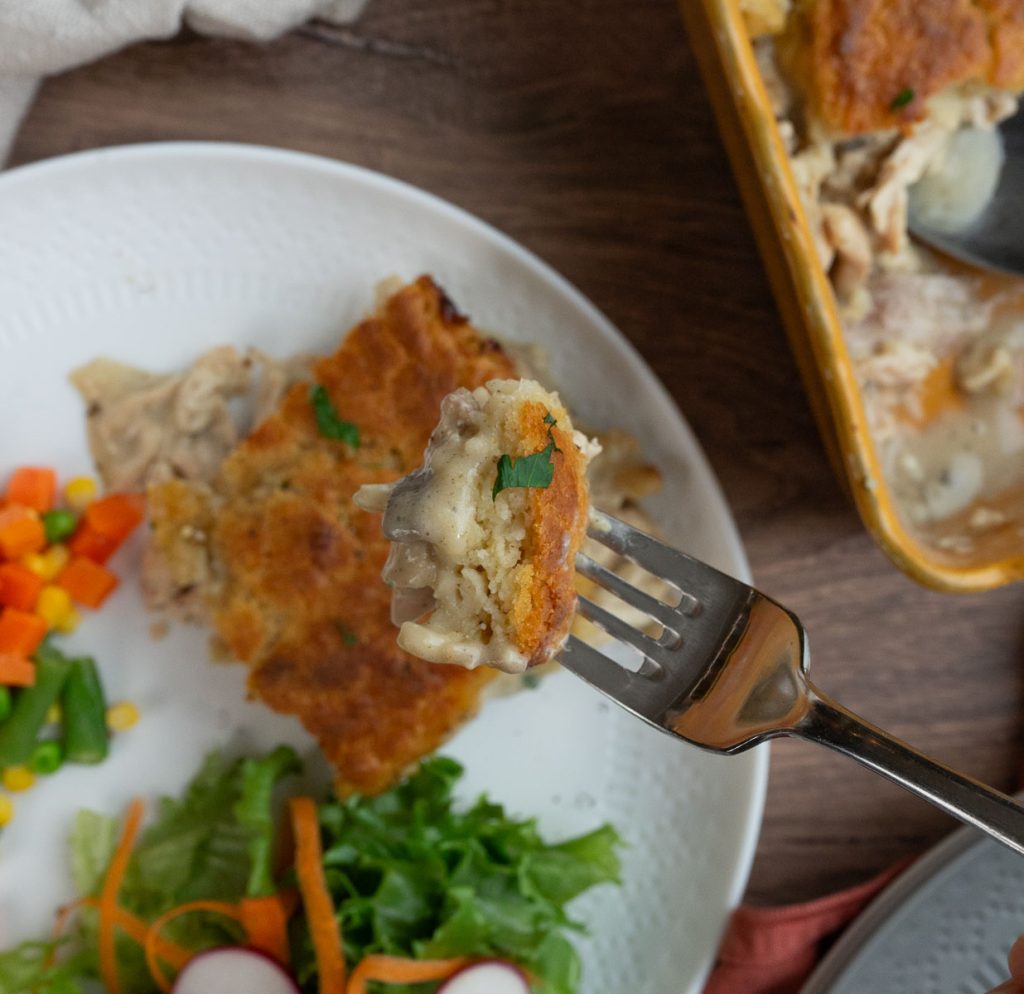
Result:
x=411 y=874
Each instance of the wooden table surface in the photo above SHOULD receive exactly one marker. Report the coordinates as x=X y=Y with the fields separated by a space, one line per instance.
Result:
x=581 y=129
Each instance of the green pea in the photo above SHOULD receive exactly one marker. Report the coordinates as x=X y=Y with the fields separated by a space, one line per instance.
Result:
x=47 y=757
x=59 y=525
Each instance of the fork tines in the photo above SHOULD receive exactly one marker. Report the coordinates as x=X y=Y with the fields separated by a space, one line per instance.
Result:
x=657 y=651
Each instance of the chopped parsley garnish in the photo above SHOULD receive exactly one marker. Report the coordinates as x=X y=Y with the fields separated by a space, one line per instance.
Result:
x=329 y=423
x=902 y=99
x=348 y=636
x=536 y=470
x=527 y=471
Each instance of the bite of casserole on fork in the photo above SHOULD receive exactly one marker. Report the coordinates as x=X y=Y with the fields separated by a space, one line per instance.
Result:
x=485 y=533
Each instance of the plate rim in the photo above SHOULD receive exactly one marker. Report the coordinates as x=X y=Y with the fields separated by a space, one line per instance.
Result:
x=43 y=169
x=875 y=918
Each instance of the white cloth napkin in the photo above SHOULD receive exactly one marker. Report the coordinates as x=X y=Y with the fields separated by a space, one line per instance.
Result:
x=41 y=37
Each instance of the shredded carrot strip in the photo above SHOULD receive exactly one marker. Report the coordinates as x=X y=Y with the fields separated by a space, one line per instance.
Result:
x=265 y=920
x=151 y=940
x=108 y=898
x=323 y=929
x=135 y=928
x=396 y=970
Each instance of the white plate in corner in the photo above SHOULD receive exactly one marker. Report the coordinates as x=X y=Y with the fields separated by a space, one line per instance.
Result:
x=944 y=926
x=153 y=253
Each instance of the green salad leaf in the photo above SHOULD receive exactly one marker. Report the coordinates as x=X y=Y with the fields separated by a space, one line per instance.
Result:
x=38 y=967
x=412 y=874
x=216 y=842
x=254 y=813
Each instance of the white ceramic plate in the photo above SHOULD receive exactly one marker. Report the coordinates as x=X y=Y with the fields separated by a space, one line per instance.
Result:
x=151 y=254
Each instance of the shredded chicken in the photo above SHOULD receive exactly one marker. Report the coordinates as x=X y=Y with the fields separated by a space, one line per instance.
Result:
x=885 y=203
x=914 y=319
x=869 y=177
x=870 y=99
x=848 y=237
x=994 y=362
x=147 y=427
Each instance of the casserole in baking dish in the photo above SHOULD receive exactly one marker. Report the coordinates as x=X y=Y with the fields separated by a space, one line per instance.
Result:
x=836 y=114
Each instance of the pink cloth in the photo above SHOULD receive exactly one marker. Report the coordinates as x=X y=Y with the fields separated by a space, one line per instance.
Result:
x=774 y=950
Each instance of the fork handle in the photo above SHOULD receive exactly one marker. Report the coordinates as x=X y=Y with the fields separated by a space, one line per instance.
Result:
x=830 y=724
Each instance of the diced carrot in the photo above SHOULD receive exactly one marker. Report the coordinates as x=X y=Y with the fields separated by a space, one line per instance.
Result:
x=33 y=486
x=87 y=582
x=19 y=586
x=92 y=544
x=21 y=531
x=16 y=670
x=20 y=632
x=116 y=515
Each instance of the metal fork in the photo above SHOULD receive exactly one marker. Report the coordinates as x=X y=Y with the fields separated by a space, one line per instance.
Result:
x=729 y=671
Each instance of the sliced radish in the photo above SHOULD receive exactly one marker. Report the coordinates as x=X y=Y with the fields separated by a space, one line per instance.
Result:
x=491 y=976
x=234 y=971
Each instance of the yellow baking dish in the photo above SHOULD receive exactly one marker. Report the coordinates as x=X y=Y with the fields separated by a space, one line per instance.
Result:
x=723 y=48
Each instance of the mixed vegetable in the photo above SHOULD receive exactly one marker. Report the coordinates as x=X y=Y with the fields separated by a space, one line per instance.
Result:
x=53 y=554
x=393 y=893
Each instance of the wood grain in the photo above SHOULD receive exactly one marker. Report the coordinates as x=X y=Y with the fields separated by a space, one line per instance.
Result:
x=582 y=130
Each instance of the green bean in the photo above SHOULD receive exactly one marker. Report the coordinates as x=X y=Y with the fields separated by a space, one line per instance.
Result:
x=47 y=757
x=5 y=703
x=59 y=525
x=19 y=732
x=86 y=739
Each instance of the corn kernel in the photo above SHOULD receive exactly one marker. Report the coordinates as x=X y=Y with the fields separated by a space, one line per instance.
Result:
x=6 y=810
x=55 y=559
x=17 y=778
x=80 y=492
x=53 y=605
x=122 y=716
x=54 y=714
x=36 y=562
x=69 y=622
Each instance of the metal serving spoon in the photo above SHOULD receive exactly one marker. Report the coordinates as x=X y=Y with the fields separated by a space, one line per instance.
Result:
x=996 y=239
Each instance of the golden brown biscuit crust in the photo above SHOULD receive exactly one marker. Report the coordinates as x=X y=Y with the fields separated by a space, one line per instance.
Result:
x=1006 y=33
x=557 y=522
x=868 y=65
x=298 y=595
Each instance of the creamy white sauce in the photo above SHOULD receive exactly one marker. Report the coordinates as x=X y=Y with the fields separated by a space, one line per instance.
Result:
x=454 y=546
x=971 y=454
x=957 y=186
